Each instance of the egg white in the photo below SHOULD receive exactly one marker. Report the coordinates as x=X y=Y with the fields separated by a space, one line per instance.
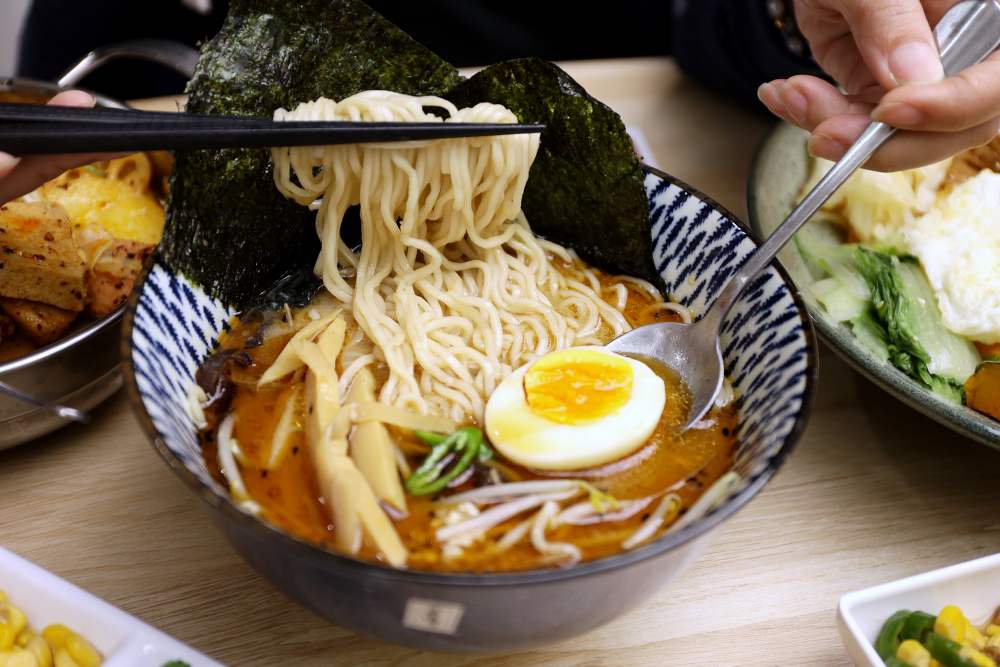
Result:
x=958 y=244
x=533 y=441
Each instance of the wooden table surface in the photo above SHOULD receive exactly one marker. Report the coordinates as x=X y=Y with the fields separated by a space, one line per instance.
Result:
x=874 y=492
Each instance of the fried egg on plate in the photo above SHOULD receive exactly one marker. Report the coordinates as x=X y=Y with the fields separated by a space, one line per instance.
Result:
x=958 y=244
x=574 y=409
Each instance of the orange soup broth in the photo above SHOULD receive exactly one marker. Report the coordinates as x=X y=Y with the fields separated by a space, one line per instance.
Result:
x=685 y=464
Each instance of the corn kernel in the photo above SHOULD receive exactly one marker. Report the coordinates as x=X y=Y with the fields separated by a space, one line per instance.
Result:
x=82 y=651
x=975 y=638
x=18 y=658
x=976 y=658
x=952 y=623
x=935 y=663
x=992 y=630
x=3 y=596
x=56 y=635
x=914 y=654
x=40 y=649
x=23 y=638
x=7 y=636
x=63 y=659
x=16 y=619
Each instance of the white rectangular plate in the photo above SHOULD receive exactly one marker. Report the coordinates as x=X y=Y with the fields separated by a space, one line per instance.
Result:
x=973 y=586
x=123 y=640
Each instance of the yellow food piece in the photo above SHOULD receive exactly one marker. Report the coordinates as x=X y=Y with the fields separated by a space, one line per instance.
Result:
x=7 y=636
x=982 y=390
x=116 y=198
x=577 y=386
x=64 y=659
x=952 y=623
x=914 y=654
x=18 y=658
x=24 y=637
x=56 y=634
x=82 y=651
x=975 y=638
x=977 y=658
x=992 y=630
x=41 y=650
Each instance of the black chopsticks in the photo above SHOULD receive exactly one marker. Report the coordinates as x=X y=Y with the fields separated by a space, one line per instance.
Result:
x=34 y=130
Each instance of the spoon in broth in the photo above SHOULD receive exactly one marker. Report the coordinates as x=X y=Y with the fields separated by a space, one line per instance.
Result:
x=967 y=34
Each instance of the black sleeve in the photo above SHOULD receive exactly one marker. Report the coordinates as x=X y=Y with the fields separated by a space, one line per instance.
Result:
x=733 y=46
x=57 y=33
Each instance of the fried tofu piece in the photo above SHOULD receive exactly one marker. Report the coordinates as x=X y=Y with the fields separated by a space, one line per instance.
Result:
x=15 y=347
x=39 y=259
x=39 y=321
x=114 y=275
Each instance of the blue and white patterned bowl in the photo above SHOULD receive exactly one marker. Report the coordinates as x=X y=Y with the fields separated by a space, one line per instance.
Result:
x=769 y=350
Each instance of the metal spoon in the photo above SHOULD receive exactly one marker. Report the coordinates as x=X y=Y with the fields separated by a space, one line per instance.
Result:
x=63 y=411
x=968 y=33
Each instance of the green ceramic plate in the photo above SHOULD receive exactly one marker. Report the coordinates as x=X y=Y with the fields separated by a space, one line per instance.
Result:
x=778 y=173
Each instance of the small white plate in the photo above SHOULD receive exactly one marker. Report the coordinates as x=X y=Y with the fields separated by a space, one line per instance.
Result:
x=973 y=586
x=123 y=640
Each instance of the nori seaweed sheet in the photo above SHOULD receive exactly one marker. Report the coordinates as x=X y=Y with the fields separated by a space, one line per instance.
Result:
x=586 y=186
x=228 y=227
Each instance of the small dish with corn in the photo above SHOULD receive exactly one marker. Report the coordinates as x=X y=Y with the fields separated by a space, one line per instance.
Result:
x=47 y=622
x=55 y=646
x=879 y=629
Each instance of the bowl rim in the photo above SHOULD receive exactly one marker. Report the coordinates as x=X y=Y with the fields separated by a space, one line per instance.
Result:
x=958 y=418
x=378 y=570
x=58 y=347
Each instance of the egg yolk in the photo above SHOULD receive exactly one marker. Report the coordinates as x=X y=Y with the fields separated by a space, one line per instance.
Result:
x=578 y=386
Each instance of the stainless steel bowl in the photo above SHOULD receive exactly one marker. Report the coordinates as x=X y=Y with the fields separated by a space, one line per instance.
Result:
x=80 y=370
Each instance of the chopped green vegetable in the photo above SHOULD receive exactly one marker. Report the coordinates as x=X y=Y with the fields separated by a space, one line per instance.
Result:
x=429 y=438
x=946 y=651
x=890 y=637
x=454 y=452
x=917 y=342
x=228 y=228
x=586 y=185
x=176 y=663
x=917 y=625
x=896 y=662
x=95 y=170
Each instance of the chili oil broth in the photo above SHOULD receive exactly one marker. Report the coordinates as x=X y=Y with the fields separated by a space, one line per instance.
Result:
x=289 y=496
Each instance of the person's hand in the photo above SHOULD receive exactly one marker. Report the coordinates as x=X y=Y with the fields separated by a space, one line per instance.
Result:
x=883 y=54
x=19 y=176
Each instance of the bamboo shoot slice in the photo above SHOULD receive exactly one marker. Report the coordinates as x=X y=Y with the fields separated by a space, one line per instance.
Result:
x=340 y=490
x=289 y=360
x=284 y=430
x=372 y=450
x=377 y=525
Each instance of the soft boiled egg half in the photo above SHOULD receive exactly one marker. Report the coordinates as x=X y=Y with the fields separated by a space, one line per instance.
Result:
x=574 y=409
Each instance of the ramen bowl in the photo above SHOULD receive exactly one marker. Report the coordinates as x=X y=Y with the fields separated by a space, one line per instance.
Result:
x=172 y=325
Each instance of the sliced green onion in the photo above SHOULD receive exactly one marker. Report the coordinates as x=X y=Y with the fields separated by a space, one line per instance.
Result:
x=430 y=477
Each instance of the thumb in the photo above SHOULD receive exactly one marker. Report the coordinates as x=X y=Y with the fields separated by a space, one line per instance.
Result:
x=895 y=39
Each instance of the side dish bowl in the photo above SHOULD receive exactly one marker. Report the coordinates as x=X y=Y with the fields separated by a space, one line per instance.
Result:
x=120 y=638
x=780 y=169
x=80 y=370
x=171 y=325
x=974 y=586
